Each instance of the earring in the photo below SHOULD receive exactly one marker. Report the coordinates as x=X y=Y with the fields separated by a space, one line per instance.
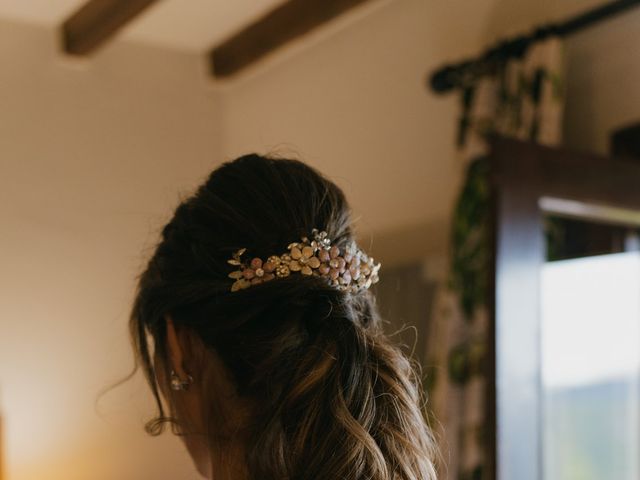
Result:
x=180 y=385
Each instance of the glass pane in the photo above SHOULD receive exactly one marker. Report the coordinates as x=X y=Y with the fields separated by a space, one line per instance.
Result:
x=591 y=361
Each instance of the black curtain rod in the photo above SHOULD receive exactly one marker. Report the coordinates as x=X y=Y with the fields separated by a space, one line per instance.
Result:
x=450 y=77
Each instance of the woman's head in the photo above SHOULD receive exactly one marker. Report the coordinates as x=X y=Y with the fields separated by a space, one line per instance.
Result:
x=288 y=379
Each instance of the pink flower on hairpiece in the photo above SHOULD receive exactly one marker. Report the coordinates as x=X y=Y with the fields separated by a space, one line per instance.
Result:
x=248 y=275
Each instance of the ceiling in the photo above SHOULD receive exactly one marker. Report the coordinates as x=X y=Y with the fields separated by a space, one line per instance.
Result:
x=191 y=25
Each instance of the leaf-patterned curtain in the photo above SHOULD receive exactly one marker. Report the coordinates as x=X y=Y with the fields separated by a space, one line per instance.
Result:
x=522 y=99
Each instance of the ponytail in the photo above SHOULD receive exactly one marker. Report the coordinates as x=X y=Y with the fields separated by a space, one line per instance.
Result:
x=352 y=408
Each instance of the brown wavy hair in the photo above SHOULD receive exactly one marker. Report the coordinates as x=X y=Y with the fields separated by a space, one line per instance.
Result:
x=333 y=397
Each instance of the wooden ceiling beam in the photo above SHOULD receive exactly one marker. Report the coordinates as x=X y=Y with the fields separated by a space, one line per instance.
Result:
x=97 y=21
x=285 y=23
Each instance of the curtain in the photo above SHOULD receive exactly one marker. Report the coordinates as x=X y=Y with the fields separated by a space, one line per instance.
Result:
x=522 y=98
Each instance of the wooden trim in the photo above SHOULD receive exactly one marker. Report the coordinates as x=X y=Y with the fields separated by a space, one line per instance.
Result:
x=284 y=24
x=519 y=250
x=562 y=173
x=97 y=21
x=522 y=174
x=490 y=448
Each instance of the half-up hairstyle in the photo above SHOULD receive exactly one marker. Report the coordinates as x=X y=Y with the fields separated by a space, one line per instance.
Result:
x=334 y=398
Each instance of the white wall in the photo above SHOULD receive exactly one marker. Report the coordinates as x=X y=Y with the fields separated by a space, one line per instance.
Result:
x=603 y=74
x=352 y=101
x=92 y=158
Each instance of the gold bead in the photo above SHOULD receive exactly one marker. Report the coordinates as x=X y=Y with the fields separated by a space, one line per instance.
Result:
x=314 y=262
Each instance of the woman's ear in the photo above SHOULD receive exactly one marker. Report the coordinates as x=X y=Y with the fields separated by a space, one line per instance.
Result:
x=176 y=349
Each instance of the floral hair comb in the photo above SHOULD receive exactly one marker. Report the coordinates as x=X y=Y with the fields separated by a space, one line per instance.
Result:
x=349 y=270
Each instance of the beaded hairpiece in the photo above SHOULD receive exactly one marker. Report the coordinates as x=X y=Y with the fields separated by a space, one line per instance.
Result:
x=351 y=270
